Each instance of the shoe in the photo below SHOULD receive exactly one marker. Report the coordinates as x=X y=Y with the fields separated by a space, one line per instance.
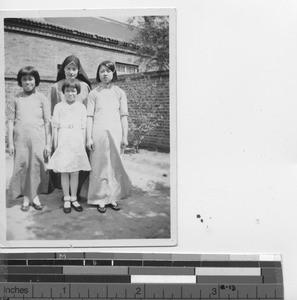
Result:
x=102 y=210
x=115 y=207
x=25 y=208
x=77 y=206
x=36 y=206
x=66 y=210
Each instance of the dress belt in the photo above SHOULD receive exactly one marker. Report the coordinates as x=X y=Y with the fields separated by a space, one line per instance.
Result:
x=69 y=126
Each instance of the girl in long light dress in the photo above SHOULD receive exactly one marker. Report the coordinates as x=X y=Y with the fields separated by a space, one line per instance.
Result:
x=107 y=130
x=70 y=157
x=29 y=140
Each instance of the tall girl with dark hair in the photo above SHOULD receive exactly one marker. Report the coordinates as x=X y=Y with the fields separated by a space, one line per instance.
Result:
x=70 y=69
x=29 y=140
x=107 y=131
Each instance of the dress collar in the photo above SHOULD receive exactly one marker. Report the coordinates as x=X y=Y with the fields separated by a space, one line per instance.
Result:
x=28 y=94
x=105 y=86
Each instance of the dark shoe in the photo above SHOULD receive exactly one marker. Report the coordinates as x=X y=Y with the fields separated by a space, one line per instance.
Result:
x=77 y=207
x=25 y=208
x=115 y=207
x=102 y=210
x=36 y=206
x=66 y=210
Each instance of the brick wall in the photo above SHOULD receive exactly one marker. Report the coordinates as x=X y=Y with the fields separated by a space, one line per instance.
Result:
x=46 y=53
x=159 y=96
x=159 y=139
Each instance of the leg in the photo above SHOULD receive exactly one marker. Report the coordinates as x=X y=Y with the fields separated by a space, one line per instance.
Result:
x=26 y=202
x=73 y=183
x=65 y=188
x=113 y=204
x=65 y=184
x=73 y=188
x=36 y=203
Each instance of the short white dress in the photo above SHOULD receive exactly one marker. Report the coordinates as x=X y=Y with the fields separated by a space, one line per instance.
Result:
x=70 y=155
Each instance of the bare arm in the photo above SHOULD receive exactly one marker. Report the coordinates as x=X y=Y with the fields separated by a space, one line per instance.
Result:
x=90 y=142
x=10 y=137
x=124 y=122
x=48 y=139
x=55 y=137
x=47 y=131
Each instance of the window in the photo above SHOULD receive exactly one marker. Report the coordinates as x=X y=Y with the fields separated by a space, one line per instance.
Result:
x=126 y=69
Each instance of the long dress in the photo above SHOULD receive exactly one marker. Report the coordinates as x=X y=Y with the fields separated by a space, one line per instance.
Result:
x=109 y=181
x=56 y=96
x=70 y=155
x=30 y=114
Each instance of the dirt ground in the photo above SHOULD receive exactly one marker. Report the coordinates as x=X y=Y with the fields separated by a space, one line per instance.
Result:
x=145 y=214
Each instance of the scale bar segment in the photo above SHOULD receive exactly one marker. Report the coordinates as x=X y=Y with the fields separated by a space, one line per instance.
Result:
x=162 y=279
x=228 y=271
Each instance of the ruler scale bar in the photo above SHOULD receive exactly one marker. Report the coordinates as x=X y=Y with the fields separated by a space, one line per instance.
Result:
x=126 y=276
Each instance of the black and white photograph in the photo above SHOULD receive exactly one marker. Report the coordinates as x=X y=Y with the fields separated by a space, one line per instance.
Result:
x=90 y=118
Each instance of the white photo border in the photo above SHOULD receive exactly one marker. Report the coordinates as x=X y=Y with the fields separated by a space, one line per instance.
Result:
x=18 y=245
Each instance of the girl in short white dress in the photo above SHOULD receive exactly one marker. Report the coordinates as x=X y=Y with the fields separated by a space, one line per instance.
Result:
x=69 y=129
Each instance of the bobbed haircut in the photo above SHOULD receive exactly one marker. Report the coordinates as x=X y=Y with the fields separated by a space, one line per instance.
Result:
x=109 y=65
x=71 y=84
x=28 y=71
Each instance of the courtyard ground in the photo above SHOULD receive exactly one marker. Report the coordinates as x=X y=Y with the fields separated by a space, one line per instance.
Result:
x=145 y=214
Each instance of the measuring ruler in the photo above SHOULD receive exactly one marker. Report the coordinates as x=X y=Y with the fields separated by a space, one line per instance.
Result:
x=139 y=276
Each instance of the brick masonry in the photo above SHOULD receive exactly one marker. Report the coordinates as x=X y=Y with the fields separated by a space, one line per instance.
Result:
x=46 y=53
x=159 y=139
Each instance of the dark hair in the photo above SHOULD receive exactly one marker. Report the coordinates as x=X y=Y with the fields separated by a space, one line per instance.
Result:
x=71 y=84
x=28 y=70
x=109 y=65
x=82 y=76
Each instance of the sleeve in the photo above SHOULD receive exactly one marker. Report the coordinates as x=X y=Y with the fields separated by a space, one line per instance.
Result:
x=56 y=117
x=46 y=114
x=91 y=103
x=84 y=92
x=11 y=110
x=123 y=104
x=53 y=98
x=83 y=117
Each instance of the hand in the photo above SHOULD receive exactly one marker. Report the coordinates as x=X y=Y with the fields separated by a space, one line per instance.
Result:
x=11 y=150
x=90 y=144
x=47 y=151
x=124 y=143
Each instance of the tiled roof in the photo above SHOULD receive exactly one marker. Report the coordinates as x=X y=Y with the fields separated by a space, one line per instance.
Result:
x=49 y=28
x=100 y=26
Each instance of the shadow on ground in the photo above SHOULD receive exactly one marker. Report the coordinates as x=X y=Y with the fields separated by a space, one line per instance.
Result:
x=145 y=214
